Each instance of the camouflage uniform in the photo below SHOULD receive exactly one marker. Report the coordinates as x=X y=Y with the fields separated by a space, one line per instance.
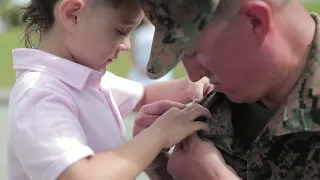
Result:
x=287 y=140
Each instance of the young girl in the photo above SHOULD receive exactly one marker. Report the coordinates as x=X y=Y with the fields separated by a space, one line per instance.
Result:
x=63 y=123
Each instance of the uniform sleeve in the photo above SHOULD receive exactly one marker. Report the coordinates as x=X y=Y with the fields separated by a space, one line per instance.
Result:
x=301 y=154
x=126 y=93
x=45 y=134
x=315 y=109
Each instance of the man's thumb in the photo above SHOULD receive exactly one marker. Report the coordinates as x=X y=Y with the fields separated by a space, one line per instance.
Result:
x=197 y=92
x=191 y=141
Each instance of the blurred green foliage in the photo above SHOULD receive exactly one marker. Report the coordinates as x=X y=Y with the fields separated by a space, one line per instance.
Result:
x=10 y=13
x=313 y=6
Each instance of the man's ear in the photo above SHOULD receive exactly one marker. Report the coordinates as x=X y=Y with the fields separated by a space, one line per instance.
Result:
x=260 y=17
x=70 y=12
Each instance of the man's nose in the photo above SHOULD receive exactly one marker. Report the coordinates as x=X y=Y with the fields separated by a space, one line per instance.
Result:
x=125 y=45
x=195 y=70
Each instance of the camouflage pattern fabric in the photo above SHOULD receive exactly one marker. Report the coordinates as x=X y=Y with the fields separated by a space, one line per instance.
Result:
x=178 y=24
x=288 y=147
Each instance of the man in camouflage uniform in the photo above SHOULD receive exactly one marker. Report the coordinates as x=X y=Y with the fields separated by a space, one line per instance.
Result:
x=264 y=58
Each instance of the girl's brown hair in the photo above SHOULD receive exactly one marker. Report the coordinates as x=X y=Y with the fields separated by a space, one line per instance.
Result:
x=38 y=16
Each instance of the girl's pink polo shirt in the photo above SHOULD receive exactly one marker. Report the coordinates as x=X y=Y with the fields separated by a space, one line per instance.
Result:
x=60 y=112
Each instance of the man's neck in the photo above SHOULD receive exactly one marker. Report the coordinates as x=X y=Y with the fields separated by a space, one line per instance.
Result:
x=300 y=43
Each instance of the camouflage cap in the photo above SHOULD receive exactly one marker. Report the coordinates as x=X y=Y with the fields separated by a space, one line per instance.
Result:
x=178 y=24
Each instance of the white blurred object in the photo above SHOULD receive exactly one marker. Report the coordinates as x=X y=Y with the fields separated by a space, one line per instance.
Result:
x=20 y=2
x=3 y=25
x=142 y=43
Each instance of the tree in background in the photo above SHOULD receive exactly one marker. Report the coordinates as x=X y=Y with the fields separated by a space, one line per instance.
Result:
x=10 y=13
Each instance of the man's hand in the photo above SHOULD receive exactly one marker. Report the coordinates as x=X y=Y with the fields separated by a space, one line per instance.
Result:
x=197 y=90
x=180 y=90
x=197 y=159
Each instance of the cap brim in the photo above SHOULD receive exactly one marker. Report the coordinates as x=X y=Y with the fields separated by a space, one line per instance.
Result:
x=177 y=26
x=164 y=56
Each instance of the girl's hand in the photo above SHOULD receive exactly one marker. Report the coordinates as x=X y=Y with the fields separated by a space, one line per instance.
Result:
x=177 y=124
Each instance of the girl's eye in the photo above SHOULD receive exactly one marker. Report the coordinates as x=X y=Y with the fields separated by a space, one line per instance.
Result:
x=122 y=33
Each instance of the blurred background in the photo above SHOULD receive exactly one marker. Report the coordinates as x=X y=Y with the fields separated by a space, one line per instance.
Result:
x=131 y=65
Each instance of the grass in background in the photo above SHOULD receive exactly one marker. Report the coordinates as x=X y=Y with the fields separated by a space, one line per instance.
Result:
x=8 y=41
x=313 y=6
x=11 y=40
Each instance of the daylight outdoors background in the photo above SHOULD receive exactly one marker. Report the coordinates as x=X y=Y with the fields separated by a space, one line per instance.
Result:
x=10 y=37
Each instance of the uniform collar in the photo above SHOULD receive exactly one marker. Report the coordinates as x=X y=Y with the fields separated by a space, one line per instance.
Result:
x=71 y=73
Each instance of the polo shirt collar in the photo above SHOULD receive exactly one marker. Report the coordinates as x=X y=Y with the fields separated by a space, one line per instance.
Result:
x=69 y=72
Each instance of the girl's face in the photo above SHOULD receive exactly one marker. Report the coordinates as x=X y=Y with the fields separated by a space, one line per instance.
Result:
x=96 y=35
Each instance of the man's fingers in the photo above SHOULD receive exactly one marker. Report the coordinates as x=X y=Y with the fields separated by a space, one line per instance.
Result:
x=197 y=101
x=209 y=89
x=194 y=111
x=197 y=91
x=145 y=120
x=191 y=106
x=142 y=122
x=200 y=88
x=189 y=143
x=160 y=107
